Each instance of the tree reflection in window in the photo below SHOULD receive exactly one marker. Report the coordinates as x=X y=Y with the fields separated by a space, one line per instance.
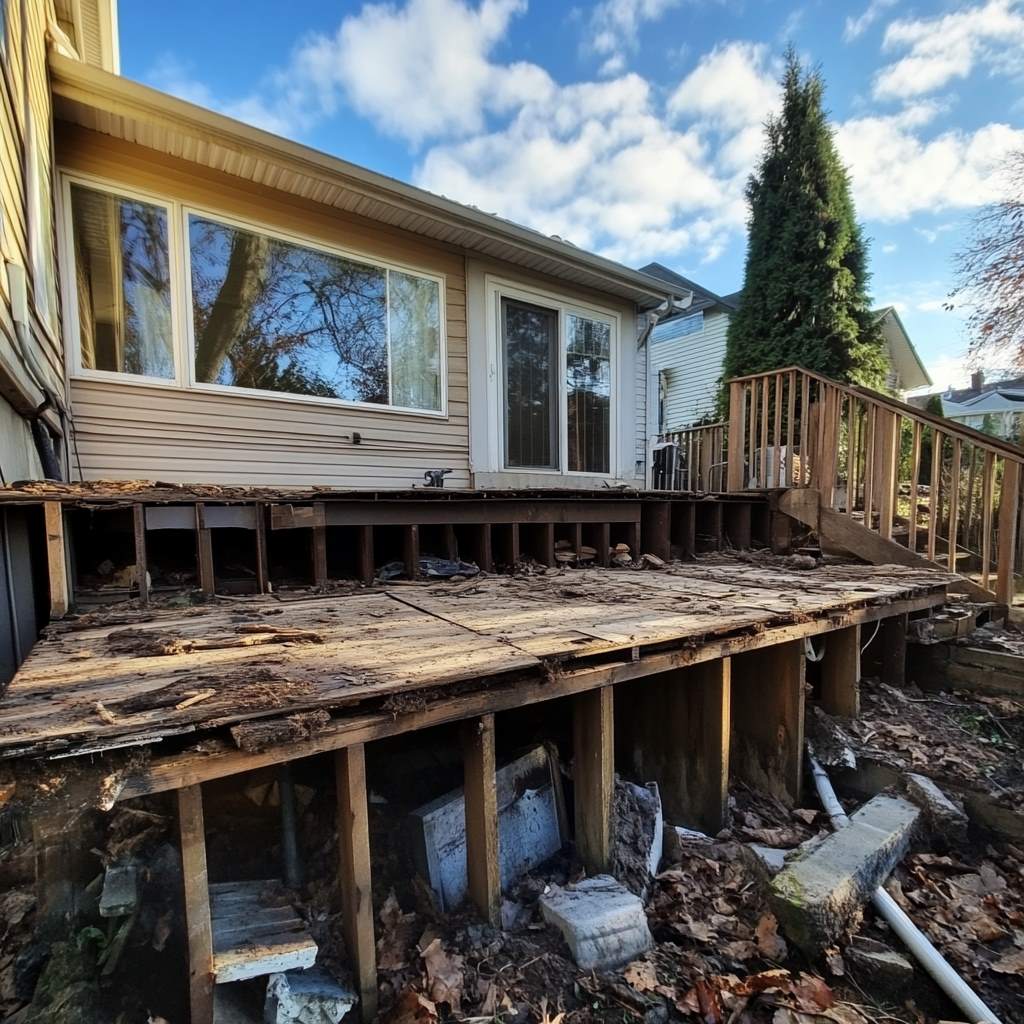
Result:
x=589 y=387
x=123 y=283
x=274 y=316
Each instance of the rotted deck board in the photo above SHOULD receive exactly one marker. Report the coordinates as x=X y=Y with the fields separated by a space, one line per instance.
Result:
x=218 y=665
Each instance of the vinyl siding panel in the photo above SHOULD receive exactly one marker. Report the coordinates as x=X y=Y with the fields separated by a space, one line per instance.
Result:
x=130 y=431
x=694 y=366
x=24 y=95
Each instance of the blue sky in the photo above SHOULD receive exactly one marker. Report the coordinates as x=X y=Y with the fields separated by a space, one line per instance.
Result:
x=629 y=126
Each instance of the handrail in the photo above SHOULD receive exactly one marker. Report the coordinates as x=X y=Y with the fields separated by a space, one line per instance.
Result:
x=947 y=426
x=906 y=473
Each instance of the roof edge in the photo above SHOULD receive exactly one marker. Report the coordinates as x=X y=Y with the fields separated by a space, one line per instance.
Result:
x=112 y=93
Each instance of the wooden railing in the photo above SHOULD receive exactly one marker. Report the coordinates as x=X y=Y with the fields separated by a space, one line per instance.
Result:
x=692 y=459
x=946 y=491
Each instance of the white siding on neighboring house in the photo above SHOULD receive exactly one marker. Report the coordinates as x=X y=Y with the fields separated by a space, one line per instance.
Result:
x=690 y=350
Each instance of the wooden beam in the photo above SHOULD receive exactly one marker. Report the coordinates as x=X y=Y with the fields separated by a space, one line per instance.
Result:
x=262 y=566
x=364 y=554
x=1009 y=499
x=768 y=719
x=674 y=729
x=840 y=672
x=56 y=559
x=894 y=649
x=192 y=833
x=594 y=767
x=204 y=553
x=319 y=546
x=481 y=808
x=354 y=874
x=173 y=771
x=141 y=564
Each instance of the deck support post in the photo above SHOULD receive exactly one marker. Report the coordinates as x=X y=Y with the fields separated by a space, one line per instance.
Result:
x=675 y=728
x=141 y=566
x=262 y=565
x=364 y=554
x=594 y=757
x=319 y=545
x=840 y=672
x=411 y=551
x=655 y=530
x=894 y=649
x=192 y=832
x=768 y=718
x=354 y=873
x=481 y=809
x=204 y=552
x=56 y=557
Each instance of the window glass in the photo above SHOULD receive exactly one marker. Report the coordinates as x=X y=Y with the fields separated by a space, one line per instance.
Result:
x=589 y=391
x=275 y=316
x=414 y=317
x=530 y=350
x=123 y=283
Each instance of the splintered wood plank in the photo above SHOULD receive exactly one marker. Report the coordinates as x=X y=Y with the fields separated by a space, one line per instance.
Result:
x=594 y=772
x=199 y=932
x=481 y=809
x=840 y=672
x=354 y=874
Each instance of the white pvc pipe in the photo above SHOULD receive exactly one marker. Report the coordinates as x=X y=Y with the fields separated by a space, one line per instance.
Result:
x=912 y=937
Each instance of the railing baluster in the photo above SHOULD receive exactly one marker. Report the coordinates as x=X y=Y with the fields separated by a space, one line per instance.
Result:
x=805 y=415
x=934 y=504
x=869 y=466
x=954 y=504
x=763 y=481
x=777 y=435
x=737 y=415
x=915 y=472
x=987 y=480
x=790 y=427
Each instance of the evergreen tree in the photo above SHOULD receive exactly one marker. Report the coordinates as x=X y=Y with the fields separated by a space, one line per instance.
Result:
x=804 y=299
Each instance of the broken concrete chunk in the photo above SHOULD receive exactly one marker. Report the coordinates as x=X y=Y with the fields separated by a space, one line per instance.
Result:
x=529 y=827
x=601 y=920
x=820 y=893
x=877 y=964
x=675 y=838
x=306 y=997
x=947 y=821
x=120 y=893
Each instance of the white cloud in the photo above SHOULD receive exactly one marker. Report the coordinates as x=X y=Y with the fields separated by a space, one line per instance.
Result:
x=947 y=47
x=614 y=27
x=889 y=247
x=896 y=173
x=855 y=27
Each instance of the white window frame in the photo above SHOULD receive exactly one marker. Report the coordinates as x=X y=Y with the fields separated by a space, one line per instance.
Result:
x=497 y=289
x=182 y=327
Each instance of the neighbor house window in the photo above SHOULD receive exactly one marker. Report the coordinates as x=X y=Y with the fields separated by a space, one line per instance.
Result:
x=557 y=375
x=123 y=277
x=271 y=315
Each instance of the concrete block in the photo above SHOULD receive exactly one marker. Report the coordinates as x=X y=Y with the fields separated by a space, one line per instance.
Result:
x=876 y=964
x=120 y=893
x=602 y=921
x=947 y=822
x=306 y=997
x=820 y=893
x=529 y=827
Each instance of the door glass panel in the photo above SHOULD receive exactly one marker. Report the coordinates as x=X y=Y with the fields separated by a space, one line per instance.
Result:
x=589 y=390
x=530 y=352
x=124 y=284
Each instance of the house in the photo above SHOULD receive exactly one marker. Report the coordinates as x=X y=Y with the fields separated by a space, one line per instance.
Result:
x=193 y=299
x=995 y=407
x=688 y=351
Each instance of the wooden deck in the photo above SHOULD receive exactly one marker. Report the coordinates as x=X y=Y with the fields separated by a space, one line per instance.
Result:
x=174 y=673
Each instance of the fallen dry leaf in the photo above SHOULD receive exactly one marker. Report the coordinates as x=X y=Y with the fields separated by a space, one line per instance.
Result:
x=641 y=975
x=412 y=1007
x=769 y=942
x=812 y=994
x=444 y=975
x=1011 y=963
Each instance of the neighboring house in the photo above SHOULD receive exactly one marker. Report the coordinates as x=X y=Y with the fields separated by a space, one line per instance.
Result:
x=238 y=308
x=687 y=352
x=996 y=407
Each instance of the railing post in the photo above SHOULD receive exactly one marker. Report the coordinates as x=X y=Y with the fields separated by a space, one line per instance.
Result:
x=737 y=416
x=1008 y=500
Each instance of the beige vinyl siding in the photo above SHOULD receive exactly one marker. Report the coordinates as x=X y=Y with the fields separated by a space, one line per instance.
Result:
x=694 y=366
x=24 y=93
x=129 y=431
